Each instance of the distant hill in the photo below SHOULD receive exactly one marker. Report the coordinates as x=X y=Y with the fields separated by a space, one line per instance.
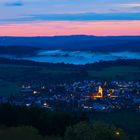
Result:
x=18 y=51
x=76 y=42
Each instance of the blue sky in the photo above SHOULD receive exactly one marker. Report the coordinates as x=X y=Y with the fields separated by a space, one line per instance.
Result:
x=36 y=10
x=69 y=17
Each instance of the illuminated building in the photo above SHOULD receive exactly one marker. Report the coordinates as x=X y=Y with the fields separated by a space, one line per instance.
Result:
x=34 y=92
x=45 y=104
x=111 y=93
x=99 y=94
x=100 y=91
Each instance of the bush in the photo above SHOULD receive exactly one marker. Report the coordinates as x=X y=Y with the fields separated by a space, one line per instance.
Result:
x=98 y=131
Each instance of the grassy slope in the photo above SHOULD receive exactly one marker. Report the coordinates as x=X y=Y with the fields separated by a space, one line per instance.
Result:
x=126 y=72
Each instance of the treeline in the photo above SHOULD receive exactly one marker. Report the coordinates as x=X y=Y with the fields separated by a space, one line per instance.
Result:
x=48 y=123
x=80 y=131
x=18 y=51
x=97 y=65
x=23 y=133
x=19 y=123
x=77 y=42
x=120 y=62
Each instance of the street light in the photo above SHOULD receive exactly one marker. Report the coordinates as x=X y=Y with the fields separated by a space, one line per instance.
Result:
x=117 y=133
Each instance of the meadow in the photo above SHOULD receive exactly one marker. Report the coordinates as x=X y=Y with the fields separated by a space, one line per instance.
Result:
x=12 y=75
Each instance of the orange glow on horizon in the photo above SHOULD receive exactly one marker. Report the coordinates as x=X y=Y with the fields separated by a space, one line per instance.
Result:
x=56 y=28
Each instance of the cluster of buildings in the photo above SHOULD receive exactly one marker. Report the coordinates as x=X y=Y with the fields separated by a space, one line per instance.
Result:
x=85 y=95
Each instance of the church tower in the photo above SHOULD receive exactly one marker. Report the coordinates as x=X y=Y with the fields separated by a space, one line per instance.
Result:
x=98 y=94
x=100 y=91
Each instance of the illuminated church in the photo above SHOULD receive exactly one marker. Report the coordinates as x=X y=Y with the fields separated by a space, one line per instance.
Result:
x=99 y=93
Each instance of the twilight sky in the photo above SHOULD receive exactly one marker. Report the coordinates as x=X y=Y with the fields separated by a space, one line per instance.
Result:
x=66 y=17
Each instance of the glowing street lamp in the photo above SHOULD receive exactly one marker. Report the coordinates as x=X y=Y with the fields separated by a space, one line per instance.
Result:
x=45 y=104
x=117 y=133
x=34 y=92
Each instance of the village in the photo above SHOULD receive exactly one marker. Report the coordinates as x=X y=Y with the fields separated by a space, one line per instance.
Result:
x=104 y=96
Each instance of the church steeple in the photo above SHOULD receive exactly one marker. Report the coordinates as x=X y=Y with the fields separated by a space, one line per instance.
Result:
x=100 y=91
x=98 y=94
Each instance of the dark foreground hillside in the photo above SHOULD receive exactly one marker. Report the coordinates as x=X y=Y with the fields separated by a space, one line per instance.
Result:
x=34 y=124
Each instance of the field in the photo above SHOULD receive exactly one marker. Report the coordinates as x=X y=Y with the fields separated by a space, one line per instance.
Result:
x=115 y=72
x=12 y=76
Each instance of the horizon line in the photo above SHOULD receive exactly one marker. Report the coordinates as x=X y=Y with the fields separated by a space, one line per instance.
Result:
x=73 y=35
